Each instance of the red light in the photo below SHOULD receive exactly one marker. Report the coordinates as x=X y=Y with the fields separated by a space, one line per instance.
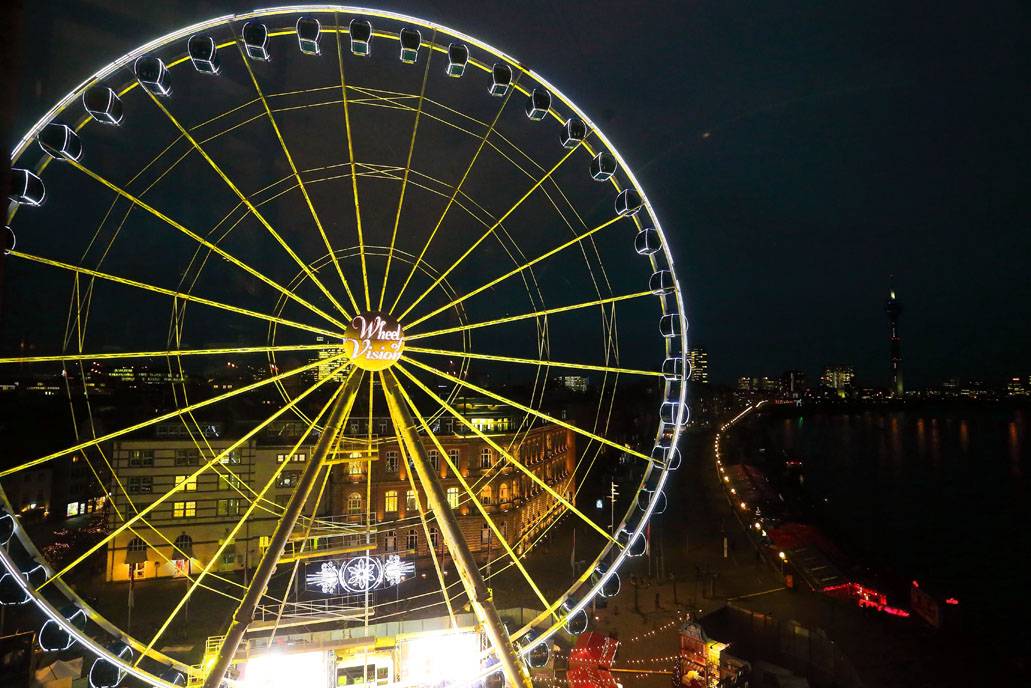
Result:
x=951 y=600
x=915 y=584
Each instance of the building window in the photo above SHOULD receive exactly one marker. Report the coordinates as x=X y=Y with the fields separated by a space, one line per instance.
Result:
x=189 y=486
x=354 y=504
x=141 y=457
x=229 y=556
x=229 y=507
x=391 y=461
x=486 y=458
x=186 y=457
x=390 y=541
x=452 y=497
x=410 y=504
x=487 y=495
x=390 y=501
x=300 y=457
x=232 y=458
x=136 y=545
x=434 y=537
x=412 y=541
x=503 y=493
x=288 y=479
x=184 y=509
x=453 y=455
x=140 y=484
x=434 y=459
x=263 y=543
x=383 y=427
x=282 y=499
x=356 y=467
x=229 y=482
x=485 y=534
x=183 y=547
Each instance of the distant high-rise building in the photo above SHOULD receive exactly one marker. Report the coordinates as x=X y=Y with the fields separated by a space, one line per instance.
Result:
x=328 y=368
x=794 y=383
x=699 y=360
x=574 y=383
x=839 y=377
x=894 y=309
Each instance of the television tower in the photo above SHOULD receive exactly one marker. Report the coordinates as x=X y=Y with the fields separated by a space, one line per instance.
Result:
x=894 y=309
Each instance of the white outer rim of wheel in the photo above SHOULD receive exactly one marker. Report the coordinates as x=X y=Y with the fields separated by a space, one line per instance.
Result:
x=162 y=41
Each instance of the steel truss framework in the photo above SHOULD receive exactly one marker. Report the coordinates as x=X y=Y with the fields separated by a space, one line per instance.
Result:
x=320 y=299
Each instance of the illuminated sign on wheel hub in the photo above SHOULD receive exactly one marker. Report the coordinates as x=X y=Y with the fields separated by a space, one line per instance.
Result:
x=374 y=340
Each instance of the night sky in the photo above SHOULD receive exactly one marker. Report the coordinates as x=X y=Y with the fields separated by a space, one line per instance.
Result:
x=798 y=154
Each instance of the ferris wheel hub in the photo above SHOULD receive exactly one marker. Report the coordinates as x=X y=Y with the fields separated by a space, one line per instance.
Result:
x=375 y=340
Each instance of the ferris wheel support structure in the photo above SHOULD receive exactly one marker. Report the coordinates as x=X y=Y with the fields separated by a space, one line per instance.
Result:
x=263 y=573
x=476 y=588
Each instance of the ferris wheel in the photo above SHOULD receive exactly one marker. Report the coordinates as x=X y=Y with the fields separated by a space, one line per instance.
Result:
x=304 y=220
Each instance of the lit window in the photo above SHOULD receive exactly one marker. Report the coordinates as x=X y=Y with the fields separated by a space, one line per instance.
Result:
x=288 y=479
x=410 y=504
x=229 y=507
x=486 y=457
x=184 y=509
x=391 y=461
x=354 y=504
x=452 y=497
x=503 y=492
x=229 y=482
x=390 y=501
x=355 y=467
x=189 y=486
x=263 y=542
x=485 y=534
x=487 y=495
x=390 y=541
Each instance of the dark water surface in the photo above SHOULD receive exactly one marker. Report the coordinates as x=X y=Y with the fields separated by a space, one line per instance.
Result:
x=936 y=493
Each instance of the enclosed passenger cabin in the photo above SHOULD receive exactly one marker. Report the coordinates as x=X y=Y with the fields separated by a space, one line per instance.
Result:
x=673 y=369
x=204 y=54
x=105 y=674
x=628 y=203
x=575 y=623
x=60 y=141
x=308 y=32
x=26 y=188
x=574 y=131
x=457 y=59
x=673 y=413
x=655 y=497
x=670 y=325
x=103 y=105
x=255 y=40
x=501 y=79
x=666 y=455
x=538 y=104
x=8 y=240
x=53 y=638
x=361 y=37
x=411 y=41
x=153 y=75
x=610 y=588
x=661 y=282
x=603 y=166
x=647 y=242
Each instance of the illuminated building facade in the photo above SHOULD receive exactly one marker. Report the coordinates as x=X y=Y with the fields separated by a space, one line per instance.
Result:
x=198 y=518
x=699 y=360
x=574 y=383
x=838 y=377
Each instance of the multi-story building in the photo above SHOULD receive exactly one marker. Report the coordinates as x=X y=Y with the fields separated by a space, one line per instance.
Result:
x=699 y=360
x=574 y=383
x=838 y=377
x=793 y=383
x=200 y=517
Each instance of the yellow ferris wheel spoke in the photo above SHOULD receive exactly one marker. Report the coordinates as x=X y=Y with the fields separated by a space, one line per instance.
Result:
x=174 y=294
x=408 y=168
x=526 y=316
x=526 y=409
x=193 y=476
x=350 y=158
x=490 y=231
x=472 y=495
x=169 y=415
x=502 y=452
x=297 y=175
x=575 y=240
x=403 y=454
x=205 y=243
x=246 y=201
x=231 y=535
x=125 y=355
x=454 y=195
x=533 y=361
